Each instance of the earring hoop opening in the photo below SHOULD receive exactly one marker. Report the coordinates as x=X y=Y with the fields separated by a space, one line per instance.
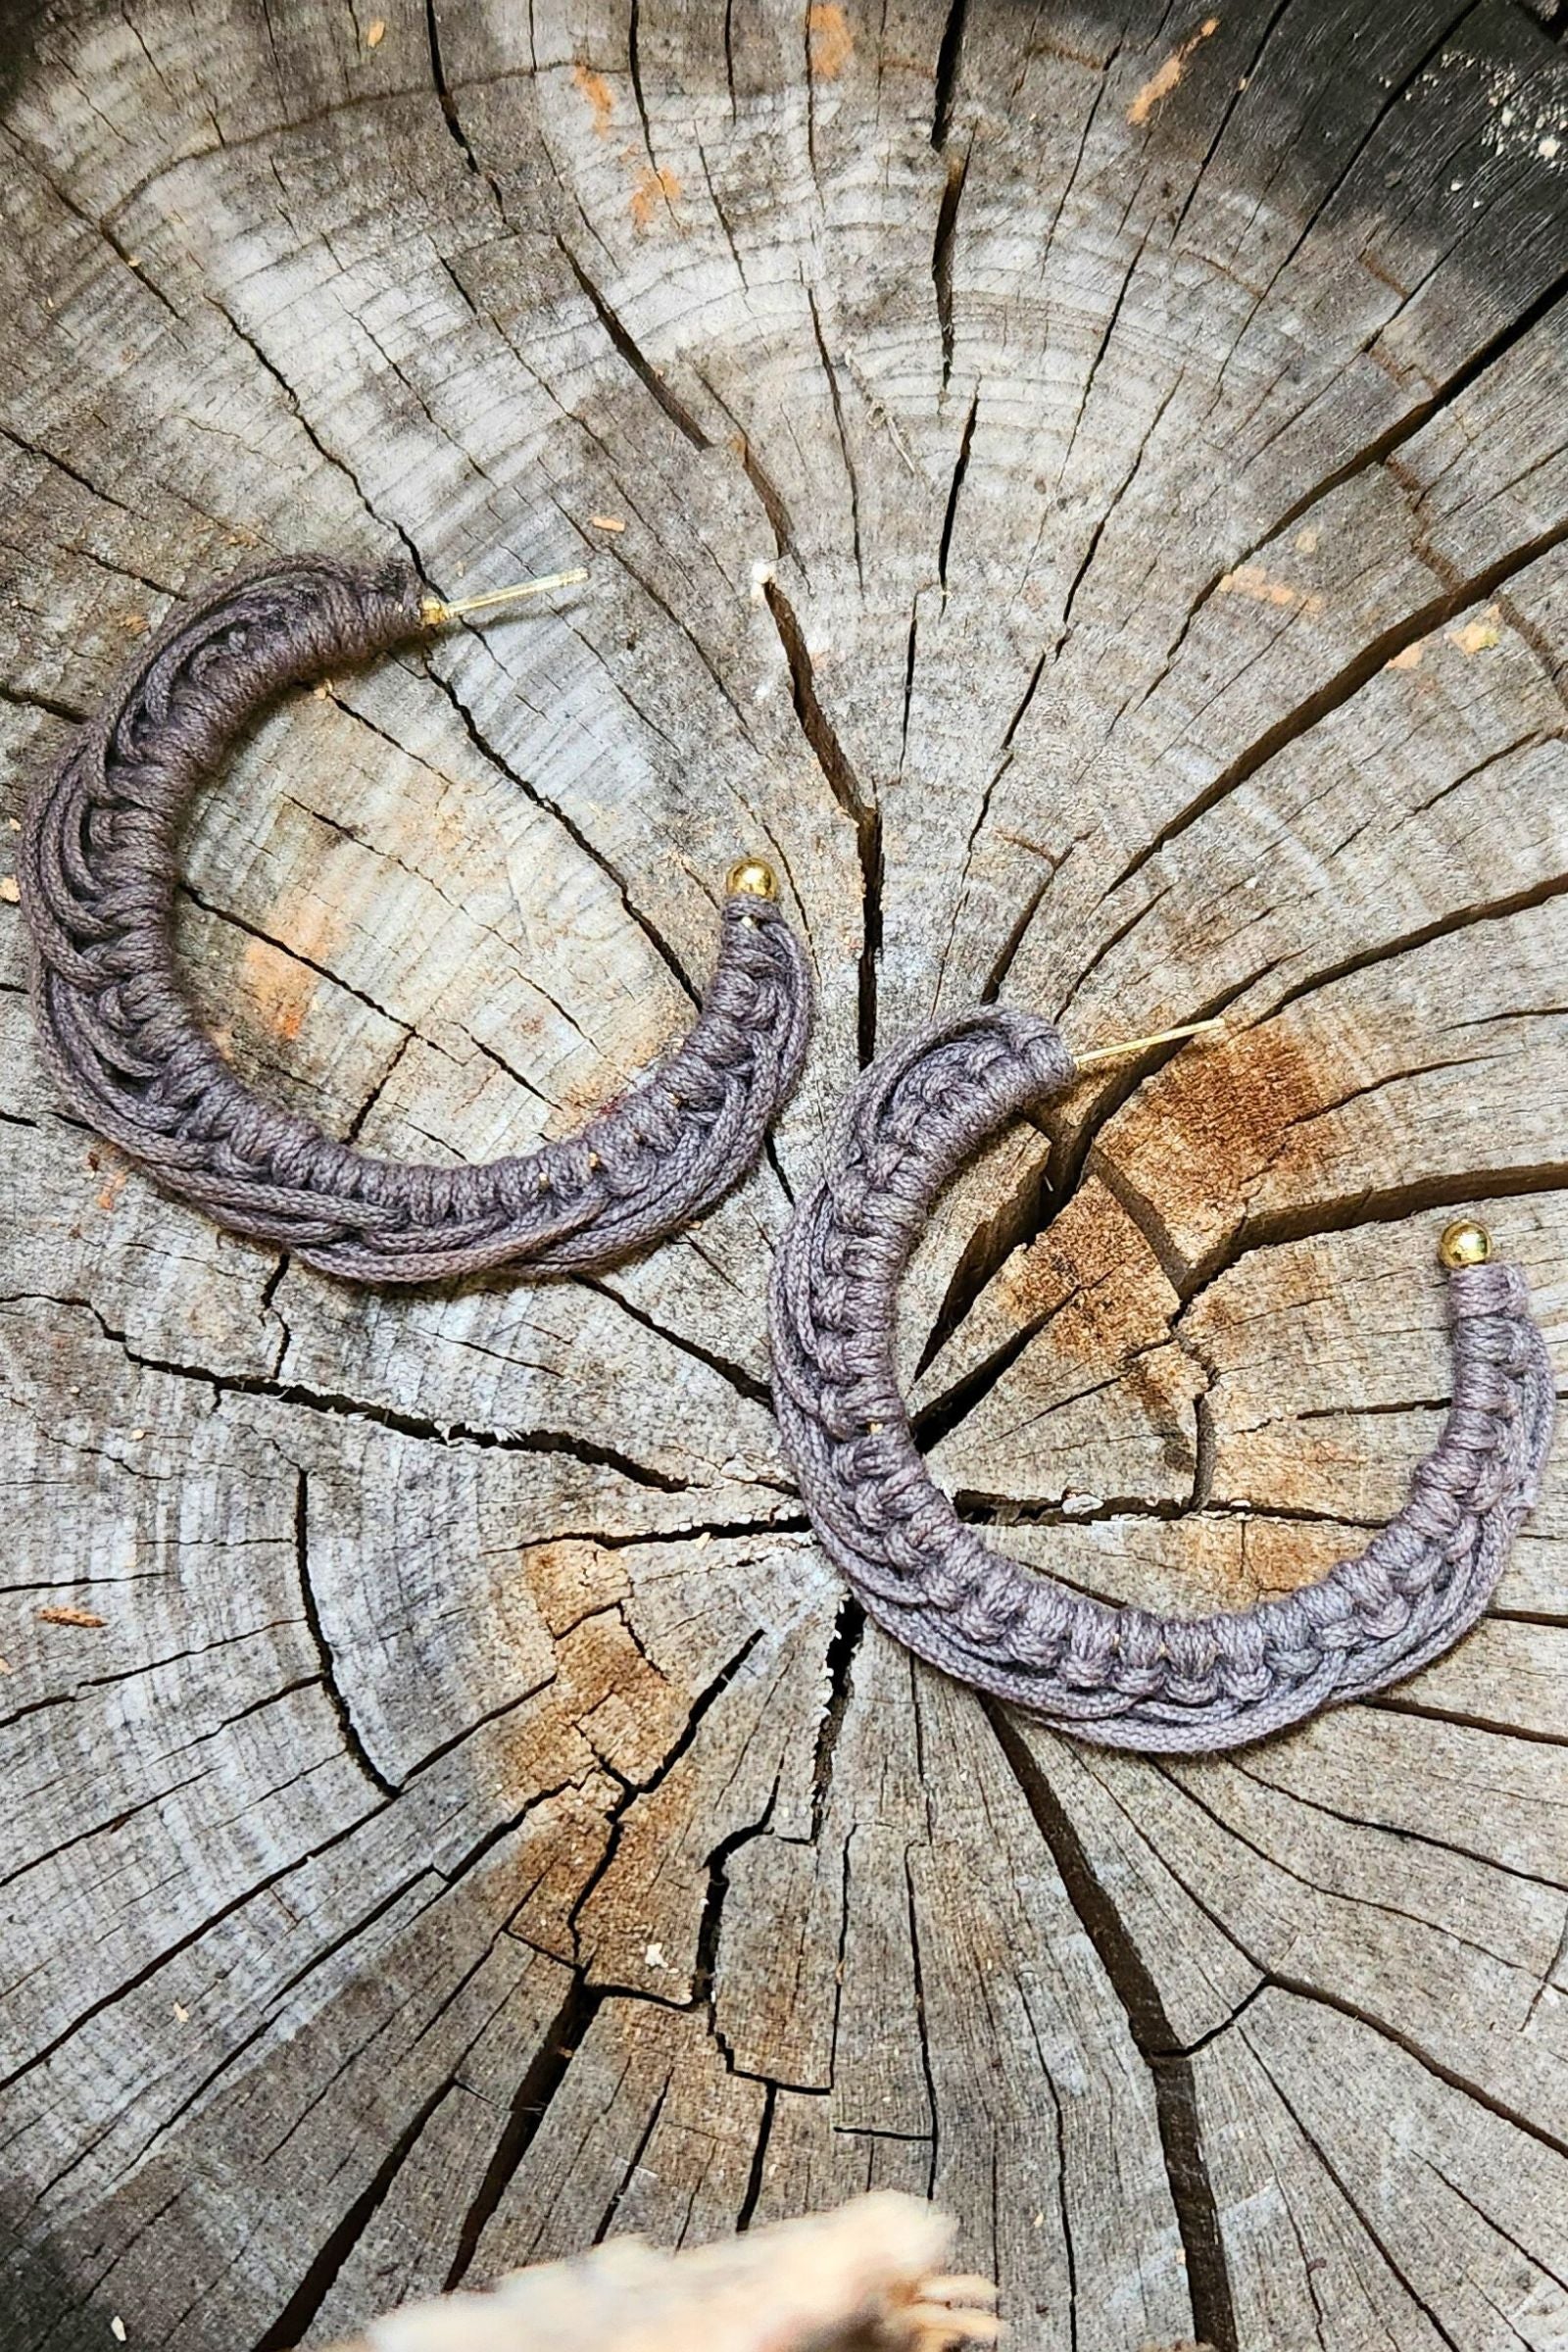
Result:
x=1120 y=1677
x=97 y=879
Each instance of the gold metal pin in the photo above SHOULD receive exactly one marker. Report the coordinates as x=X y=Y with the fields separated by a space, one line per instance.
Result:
x=435 y=612
x=1136 y=1045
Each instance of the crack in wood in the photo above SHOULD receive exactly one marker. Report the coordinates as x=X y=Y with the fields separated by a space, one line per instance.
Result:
x=950 y=64
x=844 y=786
x=1175 y=2091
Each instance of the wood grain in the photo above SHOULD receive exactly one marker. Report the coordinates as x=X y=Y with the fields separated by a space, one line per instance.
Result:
x=1091 y=487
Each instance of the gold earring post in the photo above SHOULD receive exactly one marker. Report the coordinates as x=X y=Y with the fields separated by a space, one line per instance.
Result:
x=435 y=612
x=1136 y=1045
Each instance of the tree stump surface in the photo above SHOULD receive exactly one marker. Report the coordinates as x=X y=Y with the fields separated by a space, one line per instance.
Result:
x=1082 y=490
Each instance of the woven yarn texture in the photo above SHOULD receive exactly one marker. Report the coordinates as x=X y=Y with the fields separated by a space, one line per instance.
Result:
x=1122 y=1677
x=97 y=876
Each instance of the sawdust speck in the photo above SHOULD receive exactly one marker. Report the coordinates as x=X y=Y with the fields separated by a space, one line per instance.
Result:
x=599 y=94
x=653 y=189
x=829 y=38
x=1161 y=85
x=1479 y=635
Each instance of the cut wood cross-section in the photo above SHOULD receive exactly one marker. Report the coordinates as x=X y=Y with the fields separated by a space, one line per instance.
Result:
x=1081 y=489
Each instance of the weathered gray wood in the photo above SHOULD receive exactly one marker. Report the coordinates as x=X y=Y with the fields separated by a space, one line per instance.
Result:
x=1093 y=486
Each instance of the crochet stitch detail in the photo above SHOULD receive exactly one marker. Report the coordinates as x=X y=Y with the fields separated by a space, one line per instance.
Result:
x=97 y=878
x=1122 y=1677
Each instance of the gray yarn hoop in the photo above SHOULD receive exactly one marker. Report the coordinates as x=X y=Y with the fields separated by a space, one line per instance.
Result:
x=1120 y=1677
x=97 y=878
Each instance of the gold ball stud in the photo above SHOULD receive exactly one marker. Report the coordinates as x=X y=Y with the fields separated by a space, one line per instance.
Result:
x=752 y=879
x=1464 y=1244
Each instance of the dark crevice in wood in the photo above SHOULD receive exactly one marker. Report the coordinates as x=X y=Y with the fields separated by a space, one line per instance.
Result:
x=484 y=744
x=985 y=1510
x=1112 y=504
x=111 y=1824
x=819 y=733
x=1175 y=2090
x=1399 y=1832
x=1208 y=1449
x=356 y=1125
x=1388 y=1204
x=1171 y=1769
x=832 y=375
x=281 y=946
x=1388 y=442
x=1003 y=1511
x=959 y=469
x=17 y=699
x=1369 y=2224
x=729 y=60
x=478 y=1722
x=386 y=1416
x=941 y=256
x=94 y=490
x=448 y=104
x=769 y=497
x=160 y=1959
x=949 y=61
x=1074 y=1156
x=768 y=494
x=1324 y=1997
x=1007 y=954
x=705 y=1698
x=294 y=2320
x=758 y=2173
x=771 y=1155
x=128 y=1674
x=267 y=1306
x=1240 y=82
x=1111 y=943
x=1346 y=683
x=329 y=457
x=1467 y=2084
x=921 y=2015
x=1015 y=1221
x=746 y=1384
x=646 y=374
x=764 y=1530
x=634 y=73
x=848 y=1628
x=1376 y=451
x=909 y=648
x=1191 y=2049
x=541 y=2079
x=1396 y=1703
x=1539 y=2269
x=1445 y=926
x=346 y=1726
x=116 y=244
x=321 y=2276
x=651 y=588
x=705 y=1964
x=607 y=2219
x=443 y=685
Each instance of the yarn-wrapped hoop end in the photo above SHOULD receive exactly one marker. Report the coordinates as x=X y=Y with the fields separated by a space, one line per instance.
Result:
x=97 y=878
x=1118 y=1677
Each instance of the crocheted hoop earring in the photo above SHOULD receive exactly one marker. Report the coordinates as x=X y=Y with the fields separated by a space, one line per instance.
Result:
x=1122 y=1677
x=97 y=878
